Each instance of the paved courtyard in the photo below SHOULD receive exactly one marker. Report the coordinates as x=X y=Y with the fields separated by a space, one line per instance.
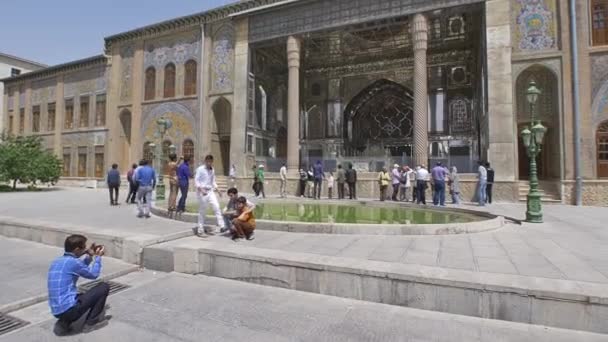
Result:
x=570 y=245
x=173 y=307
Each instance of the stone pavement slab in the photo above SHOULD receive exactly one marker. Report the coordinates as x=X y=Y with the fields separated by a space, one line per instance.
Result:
x=23 y=271
x=195 y=308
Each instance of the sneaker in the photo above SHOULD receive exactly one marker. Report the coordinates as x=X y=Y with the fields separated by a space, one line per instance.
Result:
x=147 y=216
x=223 y=230
x=251 y=236
x=140 y=215
x=237 y=239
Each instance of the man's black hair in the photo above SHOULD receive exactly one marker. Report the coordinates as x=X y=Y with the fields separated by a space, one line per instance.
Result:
x=134 y=166
x=233 y=191
x=208 y=157
x=74 y=241
x=173 y=157
x=241 y=200
x=115 y=166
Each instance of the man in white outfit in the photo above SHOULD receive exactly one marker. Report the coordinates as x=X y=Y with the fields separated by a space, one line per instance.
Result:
x=205 y=187
x=283 y=174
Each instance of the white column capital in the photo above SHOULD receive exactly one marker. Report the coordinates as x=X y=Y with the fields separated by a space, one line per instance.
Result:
x=293 y=52
x=420 y=31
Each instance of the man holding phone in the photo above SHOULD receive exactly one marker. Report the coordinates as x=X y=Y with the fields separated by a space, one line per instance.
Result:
x=65 y=302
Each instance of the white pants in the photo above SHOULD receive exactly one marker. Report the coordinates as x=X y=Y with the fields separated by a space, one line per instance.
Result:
x=203 y=202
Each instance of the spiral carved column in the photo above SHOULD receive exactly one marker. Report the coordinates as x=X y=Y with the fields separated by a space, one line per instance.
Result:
x=293 y=104
x=420 y=36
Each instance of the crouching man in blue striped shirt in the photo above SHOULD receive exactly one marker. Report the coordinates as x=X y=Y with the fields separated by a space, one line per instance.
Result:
x=65 y=302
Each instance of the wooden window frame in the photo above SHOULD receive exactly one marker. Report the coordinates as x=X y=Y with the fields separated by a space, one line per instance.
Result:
x=68 y=121
x=36 y=119
x=85 y=109
x=51 y=115
x=190 y=77
x=100 y=110
x=602 y=39
x=150 y=84
x=169 y=81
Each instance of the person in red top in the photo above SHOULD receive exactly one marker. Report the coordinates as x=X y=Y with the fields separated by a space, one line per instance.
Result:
x=244 y=223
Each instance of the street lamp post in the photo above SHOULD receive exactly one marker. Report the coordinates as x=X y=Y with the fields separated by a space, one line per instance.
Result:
x=533 y=140
x=162 y=126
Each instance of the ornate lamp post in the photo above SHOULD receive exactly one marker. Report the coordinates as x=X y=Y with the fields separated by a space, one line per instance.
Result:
x=533 y=140
x=162 y=126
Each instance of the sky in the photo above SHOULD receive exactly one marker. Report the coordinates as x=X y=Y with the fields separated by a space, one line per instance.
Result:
x=59 y=31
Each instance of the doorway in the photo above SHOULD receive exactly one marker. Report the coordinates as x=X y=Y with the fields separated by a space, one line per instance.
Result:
x=220 y=135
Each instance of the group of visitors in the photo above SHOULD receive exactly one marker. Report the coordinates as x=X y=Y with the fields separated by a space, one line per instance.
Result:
x=311 y=182
x=405 y=182
x=485 y=179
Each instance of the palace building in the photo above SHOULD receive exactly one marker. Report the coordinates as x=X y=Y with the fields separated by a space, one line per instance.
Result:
x=367 y=82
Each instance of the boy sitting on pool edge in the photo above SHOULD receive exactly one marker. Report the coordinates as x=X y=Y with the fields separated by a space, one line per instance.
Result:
x=244 y=223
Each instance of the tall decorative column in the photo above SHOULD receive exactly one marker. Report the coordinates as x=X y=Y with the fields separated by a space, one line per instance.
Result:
x=293 y=104
x=420 y=37
x=137 y=97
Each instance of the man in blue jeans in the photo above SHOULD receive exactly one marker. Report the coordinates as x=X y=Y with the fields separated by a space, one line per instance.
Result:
x=66 y=304
x=318 y=175
x=146 y=178
x=439 y=174
x=183 y=179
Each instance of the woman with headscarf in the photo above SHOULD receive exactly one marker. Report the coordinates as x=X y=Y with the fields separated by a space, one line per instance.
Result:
x=454 y=185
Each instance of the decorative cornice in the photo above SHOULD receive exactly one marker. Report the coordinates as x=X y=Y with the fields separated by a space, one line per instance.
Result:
x=186 y=22
x=56 y=69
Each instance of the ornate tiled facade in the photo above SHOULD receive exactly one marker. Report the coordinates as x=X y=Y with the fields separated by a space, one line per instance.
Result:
x=536 y=25
x=480 y=59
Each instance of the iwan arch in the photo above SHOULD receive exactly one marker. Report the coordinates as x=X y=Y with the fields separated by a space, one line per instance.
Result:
x=371 y=82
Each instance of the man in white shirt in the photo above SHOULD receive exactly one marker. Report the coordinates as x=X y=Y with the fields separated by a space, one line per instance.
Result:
x=205 y=187
x=482 y=177
x=422 y=175
x=283 y=174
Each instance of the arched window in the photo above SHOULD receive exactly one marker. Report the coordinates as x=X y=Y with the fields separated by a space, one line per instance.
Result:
x=188 y=152
x=190 y=78
x=169 y=88
x=150 y=89
x=148 y=153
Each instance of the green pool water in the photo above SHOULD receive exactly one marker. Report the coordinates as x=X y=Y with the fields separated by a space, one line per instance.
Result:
x=337 y=213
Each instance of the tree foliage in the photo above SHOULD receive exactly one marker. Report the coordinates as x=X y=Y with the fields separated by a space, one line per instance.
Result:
x=24 y=160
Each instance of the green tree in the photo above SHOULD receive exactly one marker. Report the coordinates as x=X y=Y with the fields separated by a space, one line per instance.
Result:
x=24 y=160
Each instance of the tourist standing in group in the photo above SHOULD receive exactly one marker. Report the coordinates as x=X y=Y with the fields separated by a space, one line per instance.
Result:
x=255 y=188
x=439 y=174
x=260 y=179
x=482 y=179
x=113 y=181
x=146 y=180
x=283 y=175
x=351 y=179
x=67 y=305
x=455 y=185
x=244 y=223
x=303 y=180
x=319 y=175
x=405 y=184
x=173 y=186
x=384 y=180
x=229 y=211
x=330 y=185
x=341 y=178
x=422 y=175
x=132 y=185
x=205 y=191
x=183 y=178
x=310 y=182
x=396 y=181
x=490 y=183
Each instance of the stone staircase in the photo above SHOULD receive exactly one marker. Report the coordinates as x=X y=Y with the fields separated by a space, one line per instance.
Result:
x=549 y=192
x=222 y=183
